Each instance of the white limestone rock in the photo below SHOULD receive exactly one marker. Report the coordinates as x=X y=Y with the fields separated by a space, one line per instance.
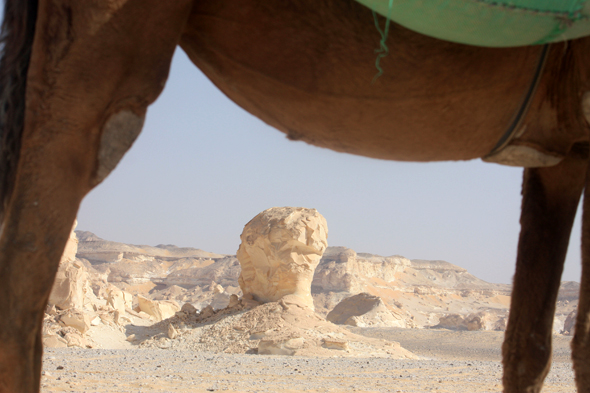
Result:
x=207 y=312
x=71 y=281
x=452 y=322
x=500 y=324
x=220 y=300
x=172 y=332
x=335 y=343
x=475 y=321
x=71 y=248
x=188 y=309
x=480 y=321
x=54 y=341
x=118 y=299
x=280 y=249
x=234 y=301
x=365 y=310
x=570 y=323
x=160 y=310
x=280 y=344
x=76 y=319
x=558 y=325
x=74 y=339
x=343 y=270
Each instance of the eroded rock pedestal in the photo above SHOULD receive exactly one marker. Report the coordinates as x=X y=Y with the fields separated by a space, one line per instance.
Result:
x=280 y=249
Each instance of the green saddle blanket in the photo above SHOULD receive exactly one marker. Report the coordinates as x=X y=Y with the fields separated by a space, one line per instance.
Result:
x=493 y=23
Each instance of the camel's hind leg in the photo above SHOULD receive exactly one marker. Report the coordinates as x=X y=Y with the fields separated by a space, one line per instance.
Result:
x=550 y=200
x=581 y=340
x=95 y=66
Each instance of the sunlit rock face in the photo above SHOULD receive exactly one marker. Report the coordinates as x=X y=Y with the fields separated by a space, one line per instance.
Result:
x=365 y=310
x=71 y=281
x=280 y=249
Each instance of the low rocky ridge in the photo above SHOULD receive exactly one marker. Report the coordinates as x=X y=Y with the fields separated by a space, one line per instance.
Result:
x=114 y=295
x=422 y=294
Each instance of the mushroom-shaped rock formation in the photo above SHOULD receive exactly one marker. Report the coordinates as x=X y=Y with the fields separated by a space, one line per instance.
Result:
x=280 y=249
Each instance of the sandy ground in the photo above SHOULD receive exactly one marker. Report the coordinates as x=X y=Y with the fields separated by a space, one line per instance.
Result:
x=451 y=361
x=448 y=344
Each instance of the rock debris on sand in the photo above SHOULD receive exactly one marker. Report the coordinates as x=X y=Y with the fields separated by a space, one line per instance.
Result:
x=279 y=328
x=156 y=370
x=197 y=358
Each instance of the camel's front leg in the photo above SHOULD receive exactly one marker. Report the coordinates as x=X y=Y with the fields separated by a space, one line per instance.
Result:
x=581 y=340
x=550 y=200
x=94 y=69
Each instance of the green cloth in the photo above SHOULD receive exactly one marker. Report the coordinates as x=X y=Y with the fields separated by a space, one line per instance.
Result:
x=494 y=23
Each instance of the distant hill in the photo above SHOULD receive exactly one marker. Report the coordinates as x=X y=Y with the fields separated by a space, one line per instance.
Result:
x=421 y=291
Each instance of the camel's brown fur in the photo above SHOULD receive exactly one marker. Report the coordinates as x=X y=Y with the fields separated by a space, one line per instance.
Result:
x=18 y=30
x=305 y=67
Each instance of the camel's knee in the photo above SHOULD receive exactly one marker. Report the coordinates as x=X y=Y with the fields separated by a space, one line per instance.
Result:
x=90 y=95
x=525 y=368
x=118 y=134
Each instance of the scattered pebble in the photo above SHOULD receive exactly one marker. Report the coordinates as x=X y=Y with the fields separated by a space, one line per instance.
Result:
x=156 y=370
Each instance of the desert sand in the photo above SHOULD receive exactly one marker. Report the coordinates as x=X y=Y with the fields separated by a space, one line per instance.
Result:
x=449 y=361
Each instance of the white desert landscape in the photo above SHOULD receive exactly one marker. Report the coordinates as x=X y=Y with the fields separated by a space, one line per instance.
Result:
x=288 y=313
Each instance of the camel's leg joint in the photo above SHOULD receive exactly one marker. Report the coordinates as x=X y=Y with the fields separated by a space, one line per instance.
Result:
x=118 y=134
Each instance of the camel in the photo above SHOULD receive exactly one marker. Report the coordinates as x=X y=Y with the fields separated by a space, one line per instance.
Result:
x=77 y=77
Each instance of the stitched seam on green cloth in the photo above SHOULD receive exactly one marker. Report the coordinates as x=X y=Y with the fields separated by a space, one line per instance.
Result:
x=563 y=22
x=556 y=32
x=574 y=14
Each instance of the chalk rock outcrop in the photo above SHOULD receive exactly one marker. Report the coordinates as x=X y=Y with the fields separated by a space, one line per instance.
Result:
x=280 y=249
x=118 y=299
x=76 y=319
x=570 y=323
x=160 y=310
x=71 y=281
x=280 y=344
x=476 y=321
x=365 y=310
x=342 y=269
x=70 y=286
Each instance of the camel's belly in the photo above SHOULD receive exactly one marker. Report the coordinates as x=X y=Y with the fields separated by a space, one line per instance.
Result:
x=435 y=101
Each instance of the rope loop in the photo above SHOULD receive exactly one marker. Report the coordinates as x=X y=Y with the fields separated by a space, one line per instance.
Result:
x=383 y=48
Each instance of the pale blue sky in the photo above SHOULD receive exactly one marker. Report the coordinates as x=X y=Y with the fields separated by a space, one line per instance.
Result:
x=203 y=167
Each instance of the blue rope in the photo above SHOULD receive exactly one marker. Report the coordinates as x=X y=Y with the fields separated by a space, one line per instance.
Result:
x=383 y=49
